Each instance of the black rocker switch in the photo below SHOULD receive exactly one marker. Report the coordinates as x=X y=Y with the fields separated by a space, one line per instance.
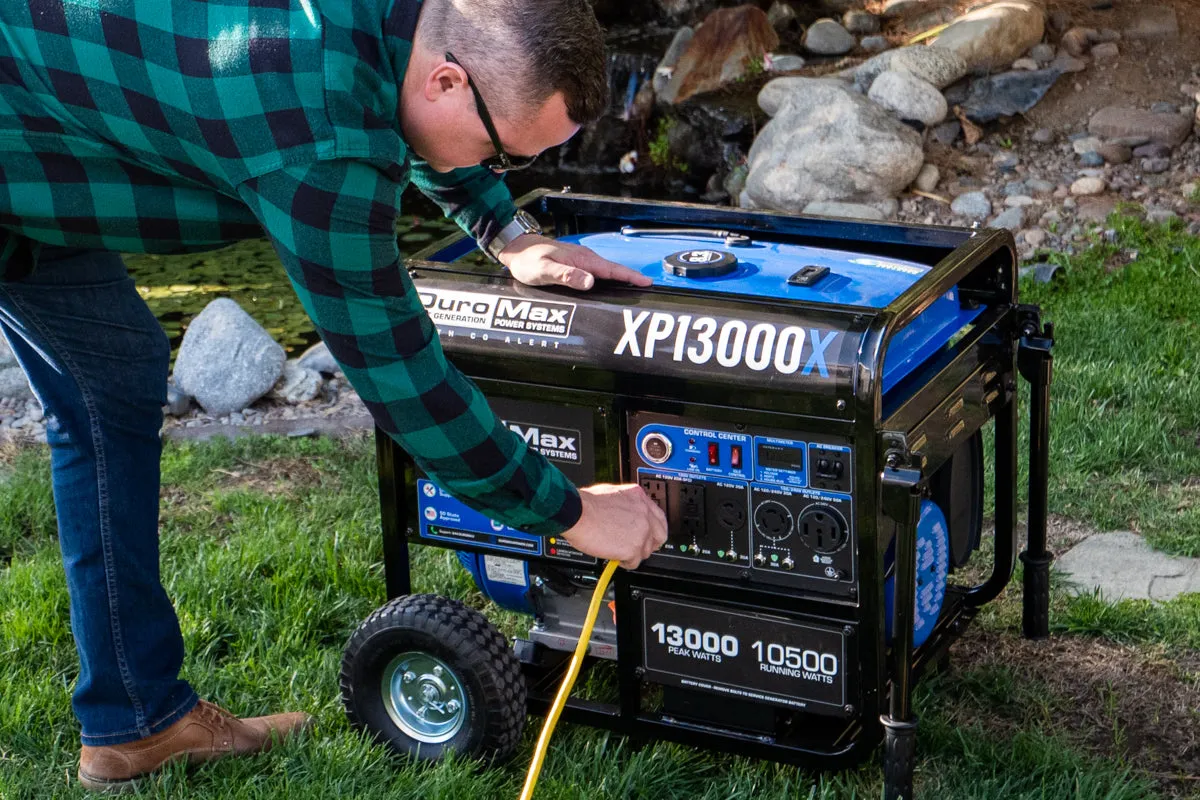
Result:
x=807 y=276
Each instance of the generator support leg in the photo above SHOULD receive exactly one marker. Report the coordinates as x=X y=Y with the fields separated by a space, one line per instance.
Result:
x=902 y=503
x=899 y=759
x=393 y=506
x=1035 y=363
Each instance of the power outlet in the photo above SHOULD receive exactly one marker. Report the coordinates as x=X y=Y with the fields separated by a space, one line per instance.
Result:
x=657 y=492
x=822 y=530
x=691 y=528
x=691 y=501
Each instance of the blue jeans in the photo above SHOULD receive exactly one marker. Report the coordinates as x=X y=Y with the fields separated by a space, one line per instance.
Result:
x=97 y=359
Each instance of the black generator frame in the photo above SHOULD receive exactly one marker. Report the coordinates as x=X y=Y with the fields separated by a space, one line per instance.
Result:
x=898 y=448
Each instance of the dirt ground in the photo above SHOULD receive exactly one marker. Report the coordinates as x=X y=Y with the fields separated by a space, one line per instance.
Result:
x=1145 y=73
x=1133 y=703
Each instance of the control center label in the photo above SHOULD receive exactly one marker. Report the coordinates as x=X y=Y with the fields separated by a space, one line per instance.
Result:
x=750 y=656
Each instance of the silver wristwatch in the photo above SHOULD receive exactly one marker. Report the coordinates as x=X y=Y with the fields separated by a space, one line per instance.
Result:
x=521 y=224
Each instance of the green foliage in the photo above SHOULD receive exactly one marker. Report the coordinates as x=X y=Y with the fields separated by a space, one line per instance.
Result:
x=660 y=148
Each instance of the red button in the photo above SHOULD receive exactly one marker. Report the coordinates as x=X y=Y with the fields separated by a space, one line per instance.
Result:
x=714 y=454
x=735 y=456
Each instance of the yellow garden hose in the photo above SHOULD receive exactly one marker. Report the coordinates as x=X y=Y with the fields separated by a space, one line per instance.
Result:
x=564 y=691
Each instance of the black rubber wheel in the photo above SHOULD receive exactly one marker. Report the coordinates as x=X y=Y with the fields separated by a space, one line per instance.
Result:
x=428 y=675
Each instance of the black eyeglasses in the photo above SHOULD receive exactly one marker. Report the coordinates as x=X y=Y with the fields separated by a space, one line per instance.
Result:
x=502 y=161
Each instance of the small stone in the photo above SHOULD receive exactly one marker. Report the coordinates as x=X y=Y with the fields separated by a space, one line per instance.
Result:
x=1035 y=237
x=1027 y=64
x=1040 y=187
x=787 y=63
x=1152 y=150
x=1155 y=166
x=1042 y=54
x=909 y=97
x=36 y=414
x=1158 y=216
x=947 y=133
x=1085 y=187
x=319 y=359
x=1115 y=153
x=1163 y=107
x=1066 y=63
x=236 y=418
x=860 y=22
x=1043 y=136
x=178 y=403
x=1106 y=53
x=974 y=205
x=301 y=433
x=1019 y=201
x=1013 y=188
x=1106 y=35
x=298 y=384
x=1091 y=159
x=1059 y=21
x=1012 y=218
x=1006 y=161
x=875 y=44
x=1077 y=41
x=1114 y=122
x=781 y=16
x=1086 y=144
x=927 y=178
x=827 y=37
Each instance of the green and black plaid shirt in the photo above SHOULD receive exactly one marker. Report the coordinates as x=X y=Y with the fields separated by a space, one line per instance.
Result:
x=164 y=125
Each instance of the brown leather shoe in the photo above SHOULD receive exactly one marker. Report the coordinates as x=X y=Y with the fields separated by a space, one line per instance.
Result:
x=206 y=733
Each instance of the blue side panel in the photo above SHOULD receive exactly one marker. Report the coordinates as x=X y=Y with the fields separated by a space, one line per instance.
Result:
x=763 y=270
x=504 y=593
x=933 y=571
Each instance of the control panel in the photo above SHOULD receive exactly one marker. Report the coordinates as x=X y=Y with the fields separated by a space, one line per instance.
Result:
x=765 y=505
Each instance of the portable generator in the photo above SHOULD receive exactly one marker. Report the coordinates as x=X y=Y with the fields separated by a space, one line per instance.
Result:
x=806 y=399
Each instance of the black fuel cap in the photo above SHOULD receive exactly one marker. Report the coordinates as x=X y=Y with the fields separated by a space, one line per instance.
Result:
x=700 y=263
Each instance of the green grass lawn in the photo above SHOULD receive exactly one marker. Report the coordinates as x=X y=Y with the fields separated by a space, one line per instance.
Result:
x=271 y=553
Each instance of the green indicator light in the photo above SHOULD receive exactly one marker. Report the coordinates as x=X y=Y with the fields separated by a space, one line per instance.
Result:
x=683 y=548
x=774 y=556
x=720 y=554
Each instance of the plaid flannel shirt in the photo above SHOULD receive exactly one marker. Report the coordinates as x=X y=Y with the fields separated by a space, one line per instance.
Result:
x=160 y=126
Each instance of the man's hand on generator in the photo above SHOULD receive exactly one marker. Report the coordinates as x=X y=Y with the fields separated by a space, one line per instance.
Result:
x=618 y=522
x=541 y=261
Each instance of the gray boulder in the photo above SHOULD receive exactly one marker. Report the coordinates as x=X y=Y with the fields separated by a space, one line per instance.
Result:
x=996 y=34
x=297 y=384
x=1117 y=122
x=861 y=22
x=666 y=67
x=938 y=67
x=972 y=204
x=1011 y=218
x=827 y=37
x=226 y=360
x=14 y=384
x=319 y=359
x=826 y=142
x=7 y=358
x=909 y=97
x=830 y=208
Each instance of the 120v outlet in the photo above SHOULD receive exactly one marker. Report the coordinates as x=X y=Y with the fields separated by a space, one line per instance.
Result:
x=822 y=529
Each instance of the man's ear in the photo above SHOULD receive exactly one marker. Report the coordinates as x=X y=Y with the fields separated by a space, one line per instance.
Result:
x=444 y=78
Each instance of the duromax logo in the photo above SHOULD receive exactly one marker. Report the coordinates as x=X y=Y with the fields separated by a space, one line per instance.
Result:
x=556 y=444
x=498 y=313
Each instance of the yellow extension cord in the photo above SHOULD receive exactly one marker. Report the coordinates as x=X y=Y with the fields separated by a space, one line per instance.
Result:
x=564 y=691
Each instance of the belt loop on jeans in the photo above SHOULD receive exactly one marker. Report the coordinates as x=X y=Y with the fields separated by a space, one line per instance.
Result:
x=18 y=255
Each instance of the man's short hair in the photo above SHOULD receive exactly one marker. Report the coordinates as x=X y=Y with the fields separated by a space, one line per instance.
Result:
x=520 y=52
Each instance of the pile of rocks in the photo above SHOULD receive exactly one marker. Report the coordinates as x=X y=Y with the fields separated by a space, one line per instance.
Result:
x=850 y=143
x=229 y=371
